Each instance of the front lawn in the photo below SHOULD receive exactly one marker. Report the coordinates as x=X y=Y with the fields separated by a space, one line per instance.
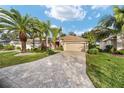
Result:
x=8 y=58
x=105 y=70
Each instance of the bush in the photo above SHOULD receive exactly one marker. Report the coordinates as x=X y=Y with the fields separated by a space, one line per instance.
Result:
x=60 y=48
x=18 y=48
x=121 y=52
x=36 y=50
x=109 y=48
x=93 y=51
x=1 y=46
x=50 y=51
x=9 y=47
x=91 y=46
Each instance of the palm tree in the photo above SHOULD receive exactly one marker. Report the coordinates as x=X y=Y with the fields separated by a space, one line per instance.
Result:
x=102 y=32
x=116 y=21
x=47 y=29
x=13 y=21
x=39 y=29
x=55 y=33
x=32 y=31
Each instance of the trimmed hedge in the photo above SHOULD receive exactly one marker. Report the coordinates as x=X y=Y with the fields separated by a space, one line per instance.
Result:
x=93 y=51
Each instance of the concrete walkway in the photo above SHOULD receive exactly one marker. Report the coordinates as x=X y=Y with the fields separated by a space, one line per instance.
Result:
x=62 y=70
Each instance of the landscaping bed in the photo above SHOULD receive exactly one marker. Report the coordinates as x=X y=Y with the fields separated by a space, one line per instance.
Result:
x=106 y=70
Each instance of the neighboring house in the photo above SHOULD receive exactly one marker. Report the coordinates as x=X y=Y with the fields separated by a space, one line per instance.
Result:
x=74 y=43
x=29 y=43
x=17 y=43
x=4 y=42
x=117 y=41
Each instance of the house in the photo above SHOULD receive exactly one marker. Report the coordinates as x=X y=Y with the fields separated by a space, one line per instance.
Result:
x=117 y=41
x=74 y=43
x=4 y=42
x=29 y=43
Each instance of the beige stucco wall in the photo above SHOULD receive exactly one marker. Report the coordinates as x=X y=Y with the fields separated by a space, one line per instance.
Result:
x=75 y=46
x=120 y=44
x=103 y=44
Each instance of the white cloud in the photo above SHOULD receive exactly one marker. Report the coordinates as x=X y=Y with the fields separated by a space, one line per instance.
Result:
x=64 y=13
x=53 y=26
x=99 y=7
x=98 y=15
x=87 y=29
x=80 y=32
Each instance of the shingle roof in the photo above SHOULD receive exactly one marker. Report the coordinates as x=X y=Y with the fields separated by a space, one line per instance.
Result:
x=109 y=38
x=73 y=39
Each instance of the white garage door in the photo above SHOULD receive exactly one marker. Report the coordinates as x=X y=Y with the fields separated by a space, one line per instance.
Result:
x=74 y=47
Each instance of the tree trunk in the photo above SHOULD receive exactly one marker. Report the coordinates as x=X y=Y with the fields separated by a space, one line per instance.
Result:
x=33 y=43
x=41 y=44
x=47 y=45
x=23 y=39
x=23 y=44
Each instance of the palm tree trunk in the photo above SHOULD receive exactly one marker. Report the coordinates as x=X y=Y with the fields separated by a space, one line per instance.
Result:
x=23 y=44
x=47 y=42
x=41 y=44
x=33 y=43
x=23 y=39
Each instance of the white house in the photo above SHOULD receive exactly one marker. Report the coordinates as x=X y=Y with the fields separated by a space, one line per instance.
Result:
x=117 y=41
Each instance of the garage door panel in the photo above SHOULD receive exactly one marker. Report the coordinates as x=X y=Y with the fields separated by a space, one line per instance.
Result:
x=74 y=47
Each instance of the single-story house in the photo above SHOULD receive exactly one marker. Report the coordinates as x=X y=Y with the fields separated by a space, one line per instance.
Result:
x=74 y=43
x=117 y=41
x=29 y=43
x=4 y=42
x=17 y=43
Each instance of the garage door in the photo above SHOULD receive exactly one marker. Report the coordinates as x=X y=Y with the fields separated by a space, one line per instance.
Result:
x=74 y=47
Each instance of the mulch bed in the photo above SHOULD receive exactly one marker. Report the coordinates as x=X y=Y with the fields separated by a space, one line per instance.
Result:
x=117 y=55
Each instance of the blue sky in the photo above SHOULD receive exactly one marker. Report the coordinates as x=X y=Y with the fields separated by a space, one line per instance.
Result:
x=76 y=19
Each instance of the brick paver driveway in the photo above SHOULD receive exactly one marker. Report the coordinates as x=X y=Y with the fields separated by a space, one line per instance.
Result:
x=66 y=69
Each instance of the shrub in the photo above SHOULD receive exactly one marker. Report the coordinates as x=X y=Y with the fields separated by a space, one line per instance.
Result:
x=9 y=47
x=91 y=46
x=93 y=51
x=108 y=48
x=60 y=48
x=50 y=51
x=1 y=46
x=121 y=52
x=28 y=50
x=36 y=50
x=18 y=48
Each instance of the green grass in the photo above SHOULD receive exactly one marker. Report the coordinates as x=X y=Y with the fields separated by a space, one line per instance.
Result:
x=8 y=58
x=106 y=70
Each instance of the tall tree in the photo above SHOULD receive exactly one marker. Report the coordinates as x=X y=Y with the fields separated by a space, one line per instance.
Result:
x=32 y=31
x=115 y=22
x=13 y=21
x=40 y=29
x=55 y=33
x=47 y=28
x=72 y=34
